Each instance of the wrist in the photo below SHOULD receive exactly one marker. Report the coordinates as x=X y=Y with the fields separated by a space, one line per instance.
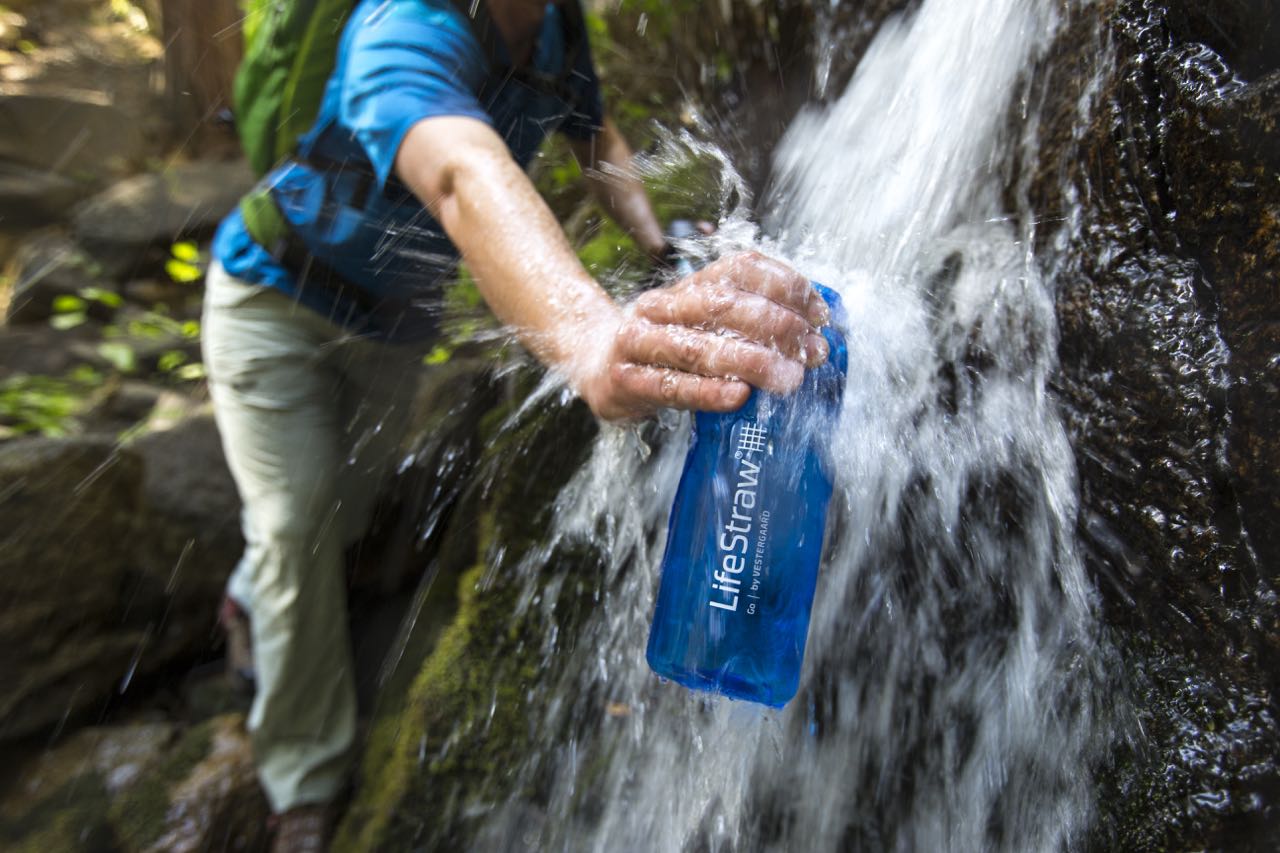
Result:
x=588 y=345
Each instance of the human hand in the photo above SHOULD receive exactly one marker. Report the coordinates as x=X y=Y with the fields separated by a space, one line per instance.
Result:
x=701 y=343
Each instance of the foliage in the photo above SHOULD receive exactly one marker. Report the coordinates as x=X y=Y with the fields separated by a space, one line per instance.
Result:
x=185 y=263
x=44 y=404
x=70 y=311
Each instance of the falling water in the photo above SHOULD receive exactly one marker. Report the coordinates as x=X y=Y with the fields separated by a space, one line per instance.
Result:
x=948 y=700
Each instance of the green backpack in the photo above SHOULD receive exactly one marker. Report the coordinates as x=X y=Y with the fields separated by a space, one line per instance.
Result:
x=289 y=51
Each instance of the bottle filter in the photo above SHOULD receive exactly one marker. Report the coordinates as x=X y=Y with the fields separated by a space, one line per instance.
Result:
x=745 y=538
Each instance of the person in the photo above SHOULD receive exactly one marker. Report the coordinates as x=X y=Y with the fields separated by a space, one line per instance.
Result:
x=312 y=343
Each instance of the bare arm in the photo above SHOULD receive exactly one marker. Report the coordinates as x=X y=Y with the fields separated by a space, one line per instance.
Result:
x=673 y=349
x=606 y=166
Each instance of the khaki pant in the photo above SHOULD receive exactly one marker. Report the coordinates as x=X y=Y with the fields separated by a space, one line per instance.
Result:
x=311 y=418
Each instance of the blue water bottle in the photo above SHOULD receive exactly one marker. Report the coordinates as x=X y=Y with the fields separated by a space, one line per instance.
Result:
x=745 y=538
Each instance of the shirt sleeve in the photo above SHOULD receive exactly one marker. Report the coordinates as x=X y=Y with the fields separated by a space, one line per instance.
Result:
x=587 y=117
x=407 y=62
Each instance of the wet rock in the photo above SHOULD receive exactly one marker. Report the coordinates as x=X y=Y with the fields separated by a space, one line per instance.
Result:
x=70 y=132
x=217 y=805
x=1222 y=156
x=47 y=266
x=1246 y=33
x=191 y=520
x=127 y=403
x=39 y=350
x=31 y=197
x=114 y=564
x=118 y=755
x=155 y=209
x=140 y=786
x=1165 y=161
x=66 y=563
x=466 y=710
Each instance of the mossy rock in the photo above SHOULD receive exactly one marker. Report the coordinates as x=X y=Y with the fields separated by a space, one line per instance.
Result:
x=194 y=792
x=439 y=762
x=74 y=817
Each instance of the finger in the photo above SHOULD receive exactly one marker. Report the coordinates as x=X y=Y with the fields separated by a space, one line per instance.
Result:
x=774 y=280
x=719 y=307
x=652 y=387
x=709 y=354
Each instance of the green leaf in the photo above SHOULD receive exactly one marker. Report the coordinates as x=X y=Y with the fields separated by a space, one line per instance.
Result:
x=190 y=372
x=181 y=271
x=171 y=360
x=120 y=355
x=186 y=250
x=191 y=329
x=67 y=304
x=85 y=375
x=62 y=322
x=109 y=298
x=439 y=355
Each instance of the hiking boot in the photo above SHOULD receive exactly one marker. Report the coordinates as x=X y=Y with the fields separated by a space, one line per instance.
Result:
x=235 y=627
x=302 y=829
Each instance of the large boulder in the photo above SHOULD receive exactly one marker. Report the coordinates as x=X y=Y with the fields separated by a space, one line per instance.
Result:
x=68 y=132
x=39 y=350
x=459 y=706
x=31 y=196
x=1222 y=157
x=145 y=211
x=142 y=786
x=1163 y=159
x=114 y=565
x=67 y=634
x=189 y=537
x=56 y=147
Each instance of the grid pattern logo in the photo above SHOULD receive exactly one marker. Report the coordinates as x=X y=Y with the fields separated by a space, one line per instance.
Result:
x=751 y=438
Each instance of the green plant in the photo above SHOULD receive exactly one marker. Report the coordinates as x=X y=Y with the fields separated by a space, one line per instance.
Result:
x=70 y=310
x=185 y=264
x=45 y=404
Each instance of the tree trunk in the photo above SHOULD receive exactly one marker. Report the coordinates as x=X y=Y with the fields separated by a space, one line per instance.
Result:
x=202 y=48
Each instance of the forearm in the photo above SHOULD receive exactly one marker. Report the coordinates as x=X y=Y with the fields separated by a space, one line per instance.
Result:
x=523 y=265
x=612 y=180
x=698 y=344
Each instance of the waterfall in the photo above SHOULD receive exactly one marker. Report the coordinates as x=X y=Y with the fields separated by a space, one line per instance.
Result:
x=952 y=684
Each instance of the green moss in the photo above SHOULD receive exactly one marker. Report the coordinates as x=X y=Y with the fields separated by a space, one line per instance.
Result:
x=434 y=766
x=74 y=817
x=139 y=815
x=444 y=705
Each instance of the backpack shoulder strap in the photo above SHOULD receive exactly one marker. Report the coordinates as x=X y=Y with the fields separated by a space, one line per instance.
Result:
x=573 y=27
x=289 y=52
x=476 y=13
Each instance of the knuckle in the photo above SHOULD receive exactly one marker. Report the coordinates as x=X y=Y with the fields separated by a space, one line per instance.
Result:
x=631 y=334
x=621 y=374
x=689 y=349
x=654 y=304
x=756 y=361
x=718 y=302
x=669 y=387
x=792 y=330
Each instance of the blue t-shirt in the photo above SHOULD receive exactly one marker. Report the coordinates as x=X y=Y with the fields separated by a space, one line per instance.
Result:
x=398 y=62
